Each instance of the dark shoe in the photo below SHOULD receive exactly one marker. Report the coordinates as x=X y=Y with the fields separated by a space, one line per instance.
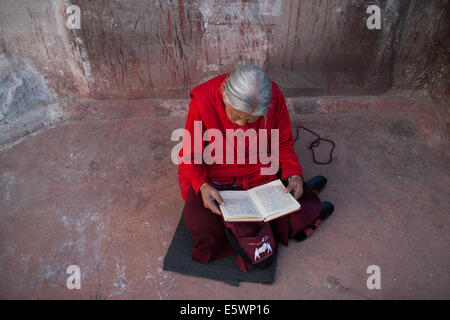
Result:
x=317 y=183
x=327 y=210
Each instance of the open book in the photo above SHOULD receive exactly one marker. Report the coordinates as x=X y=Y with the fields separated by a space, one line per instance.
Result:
x=262 y=203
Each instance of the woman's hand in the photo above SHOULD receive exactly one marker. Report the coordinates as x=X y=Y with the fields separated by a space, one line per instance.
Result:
x=210 y=195
x=295 y=186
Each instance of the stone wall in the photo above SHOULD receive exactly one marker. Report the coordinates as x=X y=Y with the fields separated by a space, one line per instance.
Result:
x=145 y=49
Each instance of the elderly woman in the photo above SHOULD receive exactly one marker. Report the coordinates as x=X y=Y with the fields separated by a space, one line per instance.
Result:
x=244 y=99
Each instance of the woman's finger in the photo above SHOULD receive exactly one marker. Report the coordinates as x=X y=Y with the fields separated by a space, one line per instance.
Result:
x=295 y=193
x=288 y=188
x=216 y=196
x=210 y=204
x=298 y=192
x=214 y=208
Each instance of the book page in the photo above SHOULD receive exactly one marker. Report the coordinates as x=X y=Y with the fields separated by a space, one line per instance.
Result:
x=238 y=204
x=272 y=199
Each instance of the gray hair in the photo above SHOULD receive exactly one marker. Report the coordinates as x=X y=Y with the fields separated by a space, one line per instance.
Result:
x=249 y=89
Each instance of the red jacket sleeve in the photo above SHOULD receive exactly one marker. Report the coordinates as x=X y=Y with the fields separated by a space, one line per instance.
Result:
x=289 y=164
x=197 y=172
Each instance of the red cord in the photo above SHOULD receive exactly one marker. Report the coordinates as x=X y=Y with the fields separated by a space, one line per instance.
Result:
x=316 y=143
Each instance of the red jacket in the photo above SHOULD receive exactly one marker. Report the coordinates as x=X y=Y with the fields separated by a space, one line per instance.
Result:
x=208 y=107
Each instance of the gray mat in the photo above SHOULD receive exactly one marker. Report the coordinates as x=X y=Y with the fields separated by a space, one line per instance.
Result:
x=178 y=259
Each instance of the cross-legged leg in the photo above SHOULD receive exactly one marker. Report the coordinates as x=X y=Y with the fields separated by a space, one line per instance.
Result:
x=286 y=227
x=208 y=230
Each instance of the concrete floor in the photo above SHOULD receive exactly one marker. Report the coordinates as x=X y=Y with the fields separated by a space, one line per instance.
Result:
x=102 y=193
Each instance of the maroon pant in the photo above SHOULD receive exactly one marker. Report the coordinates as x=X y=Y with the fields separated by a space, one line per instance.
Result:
x=208 y=230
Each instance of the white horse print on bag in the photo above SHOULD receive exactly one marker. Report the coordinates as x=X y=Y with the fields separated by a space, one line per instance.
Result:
x=265 y=247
